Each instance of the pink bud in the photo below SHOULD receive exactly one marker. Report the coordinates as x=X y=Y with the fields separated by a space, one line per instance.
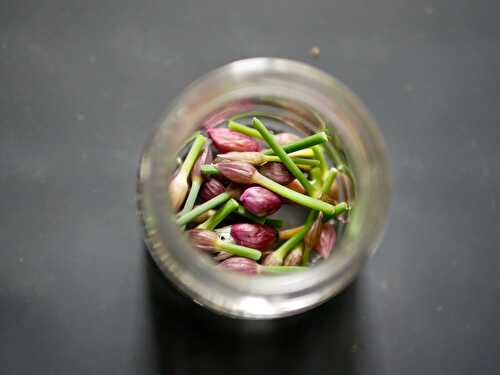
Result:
x=256 y=236
x=252 y=157
x=277 y=172
x=237 y=171
x=314 y=233
x=284 y=138
x=297 y=186
x=294 y=257
x=226 y=140
x=260 y=201
x=272 y=260
x=240 y=264
x=205 y=158
x=341 y=183
x=211 y=188
x=327 y=240
x=203 y=239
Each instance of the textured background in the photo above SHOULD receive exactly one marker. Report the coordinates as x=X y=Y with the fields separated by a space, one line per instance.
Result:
x=82 y=84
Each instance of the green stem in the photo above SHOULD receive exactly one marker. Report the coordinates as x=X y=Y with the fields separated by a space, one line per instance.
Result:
x=317 y=181
x=330 y=177
x=292 y=195
x=339 y=208
x=318 y=154
x=214 y=202
x=243 y=129
x=242 y=211
x=280 y=269
x=282 y=251
x=209 y=169
x=306 y=142
x=242 y=251
x=303 y=161
x=191 y=157
x=220 y=215
x=304 y=153
x=305 y=256
x=193 y=194
x=294 y=170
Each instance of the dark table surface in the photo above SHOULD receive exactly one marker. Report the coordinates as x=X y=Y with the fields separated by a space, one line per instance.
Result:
x=82 y=84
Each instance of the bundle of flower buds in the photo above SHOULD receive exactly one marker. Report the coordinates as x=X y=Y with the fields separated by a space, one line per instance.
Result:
x=234 y=177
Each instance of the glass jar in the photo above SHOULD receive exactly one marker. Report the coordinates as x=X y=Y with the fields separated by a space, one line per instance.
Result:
x=312 y=101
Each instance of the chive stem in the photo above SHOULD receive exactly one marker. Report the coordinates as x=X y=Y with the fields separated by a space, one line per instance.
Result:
x=191 y=157
x=220 y=215
x=339 y=208
x=305 y=256
x=243 y=129
x=301 y=144
x=281 y=252
x=234 y=249
x=318 y=154
x=289 y=233
x=193 y=194
x=280 y=269
x=214 y=202
x=278 y=150
x=304 y=153
x=330 y=177
x=292 y=195
x=209 y=169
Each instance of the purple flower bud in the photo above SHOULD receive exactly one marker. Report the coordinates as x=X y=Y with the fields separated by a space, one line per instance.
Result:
x=272 y=260
x=252 y=157
x=205 y=158
x=223 y=255
x=203 y=239
x=226 y=140
x=297 y=186
x=326 y=241
x=314 y=233
x=341 y=183
x=211 y=188
x=240 y=264
x=237 y=171
x=294 y=257
x=277 y=172
x=178 y=190
x=256 y=236
x=284 y=138
x=260 y=201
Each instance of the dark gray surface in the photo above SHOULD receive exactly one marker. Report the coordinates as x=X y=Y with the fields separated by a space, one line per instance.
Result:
x=81 y=86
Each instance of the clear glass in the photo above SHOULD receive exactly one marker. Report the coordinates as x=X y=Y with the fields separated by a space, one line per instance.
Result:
x=312 y=101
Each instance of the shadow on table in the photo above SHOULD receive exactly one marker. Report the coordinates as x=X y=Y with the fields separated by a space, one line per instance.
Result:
x=190 y=339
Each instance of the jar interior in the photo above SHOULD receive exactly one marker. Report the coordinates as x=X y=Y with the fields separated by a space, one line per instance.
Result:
x=279 y=116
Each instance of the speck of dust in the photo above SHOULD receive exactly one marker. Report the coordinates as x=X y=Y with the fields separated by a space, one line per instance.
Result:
x=315 y=51
x=80 y=117
x=21 y=260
